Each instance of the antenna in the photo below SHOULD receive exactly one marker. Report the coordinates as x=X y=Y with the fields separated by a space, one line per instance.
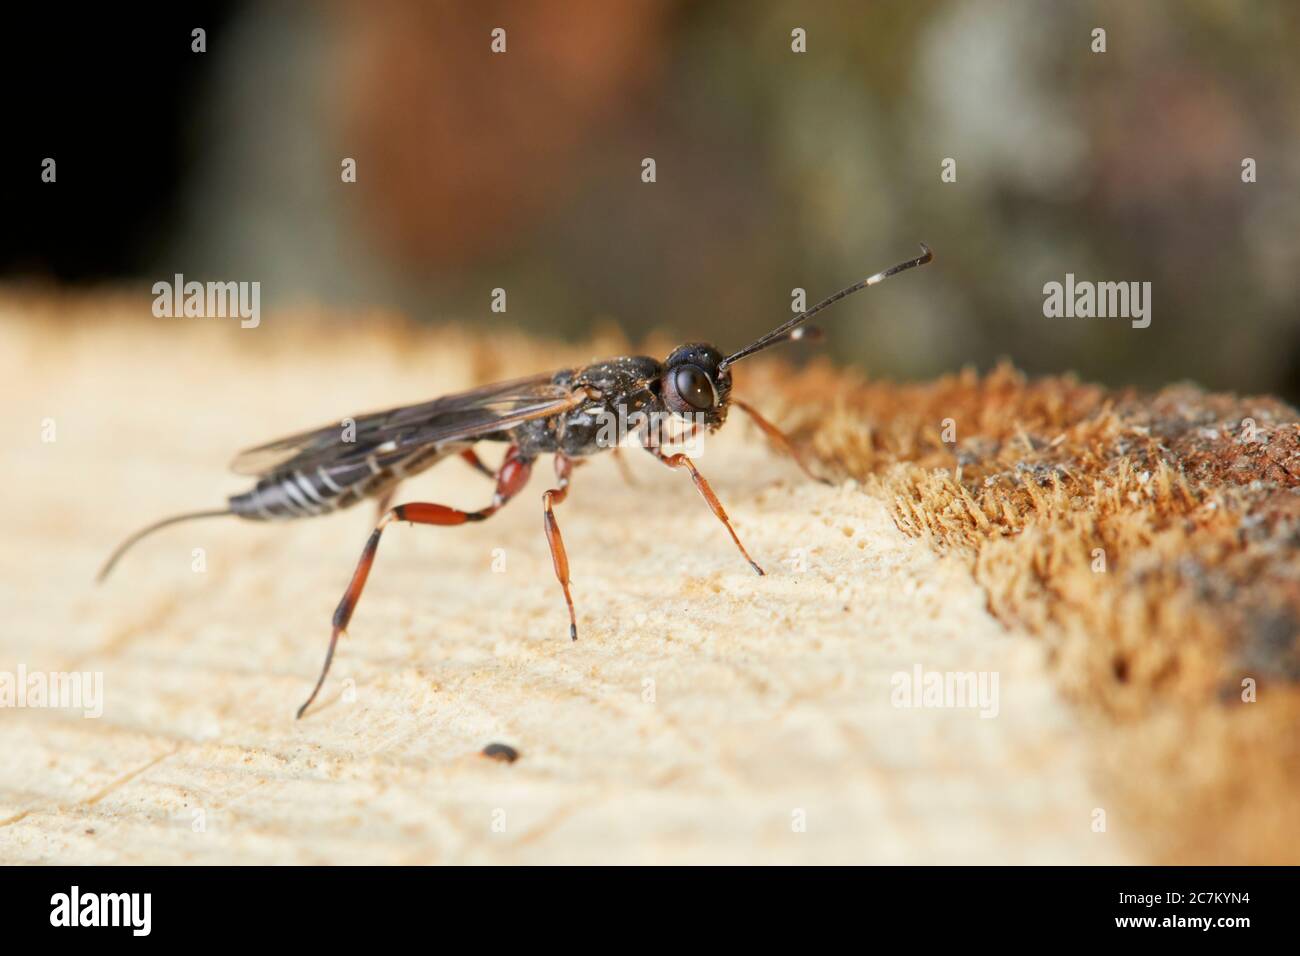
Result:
x=787 y=331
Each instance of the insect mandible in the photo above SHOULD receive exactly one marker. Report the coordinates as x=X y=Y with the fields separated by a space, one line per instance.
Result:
x=566 y=414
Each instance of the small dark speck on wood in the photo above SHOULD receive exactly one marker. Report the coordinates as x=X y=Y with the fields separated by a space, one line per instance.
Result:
x=502 y=752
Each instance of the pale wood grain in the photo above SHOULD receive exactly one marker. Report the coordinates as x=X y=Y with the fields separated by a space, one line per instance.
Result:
x=770 y=695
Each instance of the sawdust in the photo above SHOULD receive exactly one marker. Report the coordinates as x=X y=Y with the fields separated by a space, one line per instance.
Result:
x=1148 y=541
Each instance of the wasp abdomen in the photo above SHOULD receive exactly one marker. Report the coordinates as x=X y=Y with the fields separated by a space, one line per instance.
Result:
x=307 y=493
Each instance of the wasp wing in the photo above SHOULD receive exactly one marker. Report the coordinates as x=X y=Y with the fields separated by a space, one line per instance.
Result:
x=464 y=416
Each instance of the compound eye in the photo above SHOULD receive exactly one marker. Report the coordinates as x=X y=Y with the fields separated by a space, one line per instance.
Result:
x=693 y=385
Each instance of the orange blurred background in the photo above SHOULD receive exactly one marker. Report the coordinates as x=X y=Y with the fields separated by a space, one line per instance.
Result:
x=775 y=169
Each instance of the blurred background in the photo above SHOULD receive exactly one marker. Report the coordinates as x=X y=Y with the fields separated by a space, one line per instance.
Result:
x=774 y=169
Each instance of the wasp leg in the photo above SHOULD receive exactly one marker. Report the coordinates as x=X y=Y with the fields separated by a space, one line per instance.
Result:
x=469 y=455
x=623 y=469
x=778 y=438
x=682 y=461
x=510 y=481
x=559 y=557
x=384 y=501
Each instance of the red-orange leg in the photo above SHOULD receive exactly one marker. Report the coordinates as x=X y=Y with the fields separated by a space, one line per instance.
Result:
x=559 y=557
x=511 y=479
x=477 y=463
x=384 y=501
x=682 y=461
x=778 y=438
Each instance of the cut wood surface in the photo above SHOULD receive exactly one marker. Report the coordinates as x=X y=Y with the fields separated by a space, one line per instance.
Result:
x=704 y=715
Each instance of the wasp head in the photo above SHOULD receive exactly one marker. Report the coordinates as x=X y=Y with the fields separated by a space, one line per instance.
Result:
x=693 y=383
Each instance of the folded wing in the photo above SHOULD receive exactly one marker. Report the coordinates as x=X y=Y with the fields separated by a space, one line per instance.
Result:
x=461 y=417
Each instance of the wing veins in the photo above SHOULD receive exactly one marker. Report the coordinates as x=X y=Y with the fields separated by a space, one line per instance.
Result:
x=467 y=415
